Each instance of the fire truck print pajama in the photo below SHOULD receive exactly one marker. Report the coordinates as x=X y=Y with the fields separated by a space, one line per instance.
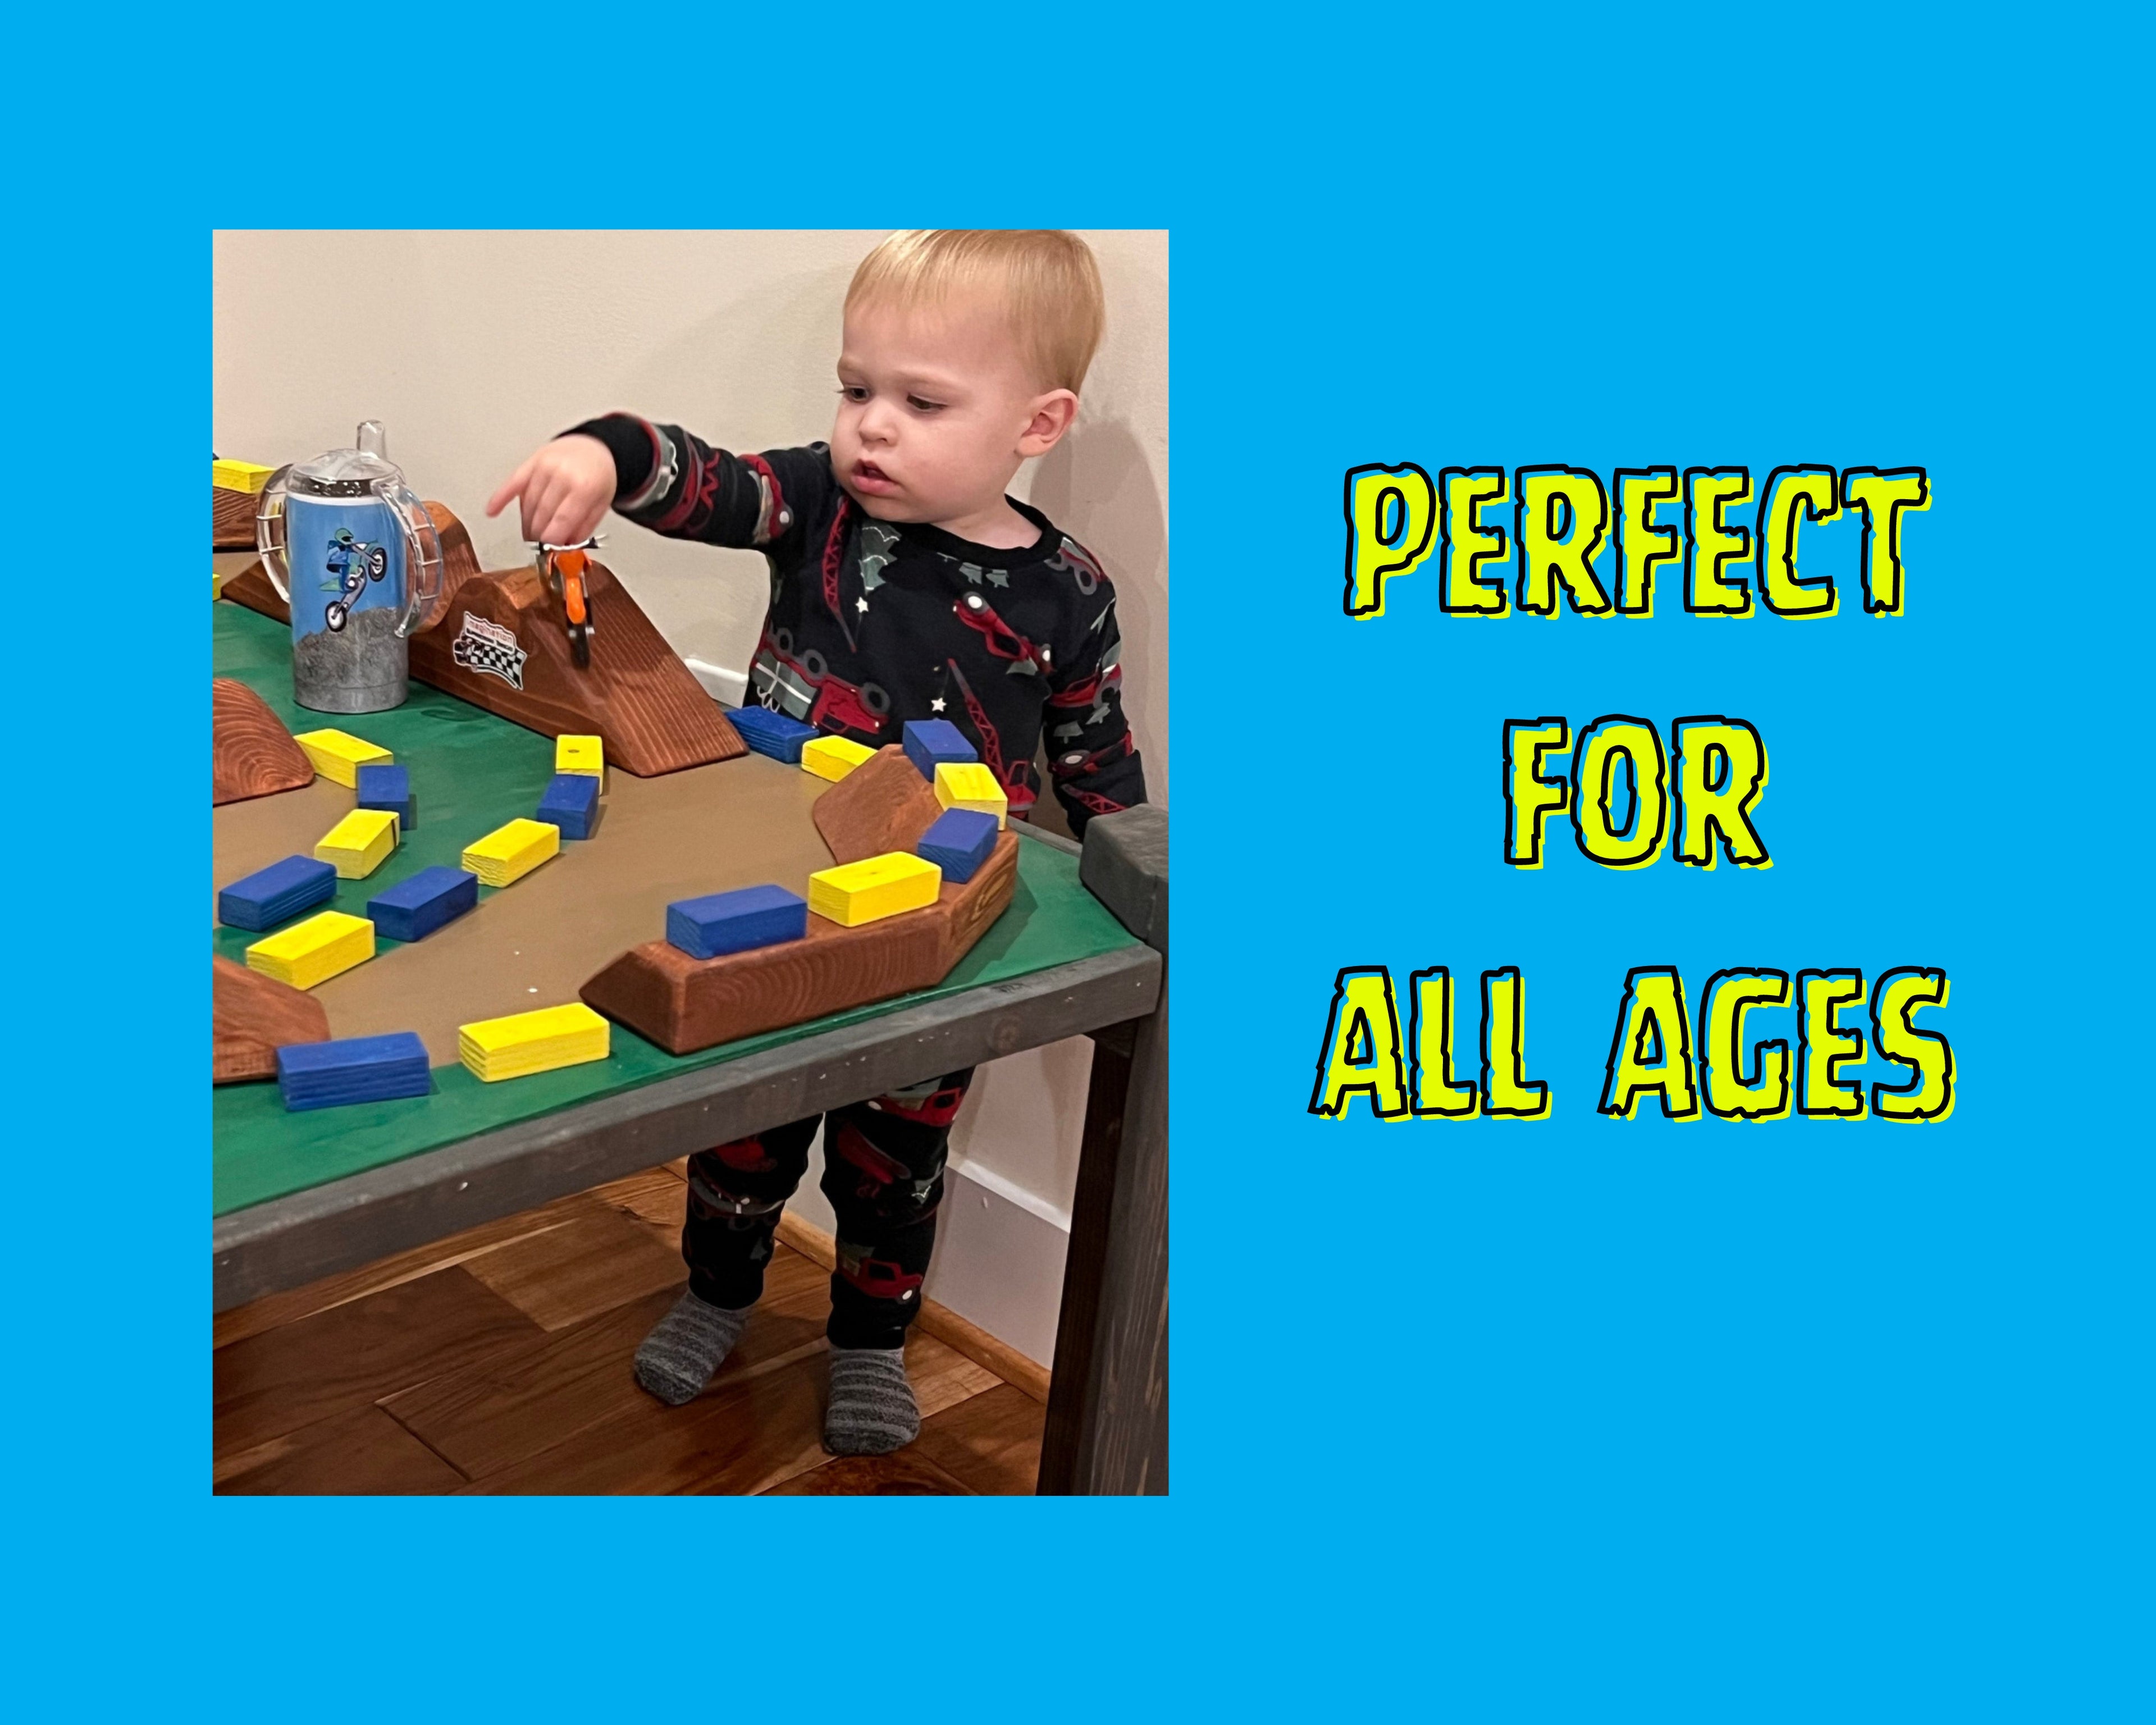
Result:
x=883 y=1172
x=871 y=624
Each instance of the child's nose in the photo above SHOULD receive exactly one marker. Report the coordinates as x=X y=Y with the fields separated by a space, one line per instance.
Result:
x=876 y=421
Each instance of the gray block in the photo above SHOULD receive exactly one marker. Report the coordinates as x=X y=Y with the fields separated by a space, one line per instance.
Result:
x=1124 y=864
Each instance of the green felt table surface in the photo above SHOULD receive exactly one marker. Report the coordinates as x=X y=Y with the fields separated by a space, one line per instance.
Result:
x=498 y=771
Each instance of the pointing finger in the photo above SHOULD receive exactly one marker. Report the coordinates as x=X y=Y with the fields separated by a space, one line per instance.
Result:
x=509 y=487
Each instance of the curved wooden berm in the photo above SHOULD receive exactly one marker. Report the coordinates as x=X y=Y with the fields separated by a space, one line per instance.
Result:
x=251 y=1016
x=685 y=1004
x=251 y=753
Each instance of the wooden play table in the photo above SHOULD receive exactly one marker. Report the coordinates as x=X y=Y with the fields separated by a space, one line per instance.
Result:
x=1080 y=951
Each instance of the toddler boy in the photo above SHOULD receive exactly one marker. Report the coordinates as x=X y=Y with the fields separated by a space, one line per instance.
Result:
x=905 y=584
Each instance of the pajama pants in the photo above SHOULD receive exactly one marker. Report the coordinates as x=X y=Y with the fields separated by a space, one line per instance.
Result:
x=883 y=1172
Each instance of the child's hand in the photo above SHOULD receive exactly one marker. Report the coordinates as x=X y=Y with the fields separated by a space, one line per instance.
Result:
x=563 y=490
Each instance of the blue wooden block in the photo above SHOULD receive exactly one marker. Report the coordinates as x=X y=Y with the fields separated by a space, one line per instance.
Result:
x=572 y=803
x=389 y=788
x=958 y=841
x=773 y=734
x=413 y=909
x=931 y=742
x=734 y=921
x=358 y=1069
x=276 y=894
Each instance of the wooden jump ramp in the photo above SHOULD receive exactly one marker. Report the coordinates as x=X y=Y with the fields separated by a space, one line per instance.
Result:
x=251 y=1017
x=251 y=753
x=499 y=639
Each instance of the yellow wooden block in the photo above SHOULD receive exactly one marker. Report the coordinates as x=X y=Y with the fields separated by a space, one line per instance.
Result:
x=968 y=784
x=360 y=843
x=216 y=587
x=881 y=886
x=339 y=755
x=581 y=754
x=509 y=853
x=314 y=951
x=239 y=476
x=833 y=758
x=527 y=1042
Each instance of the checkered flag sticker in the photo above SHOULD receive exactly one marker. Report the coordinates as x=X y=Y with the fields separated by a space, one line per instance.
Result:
x=490 y=649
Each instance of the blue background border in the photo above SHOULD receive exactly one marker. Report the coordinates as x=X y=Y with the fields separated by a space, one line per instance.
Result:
x=1527 y=1422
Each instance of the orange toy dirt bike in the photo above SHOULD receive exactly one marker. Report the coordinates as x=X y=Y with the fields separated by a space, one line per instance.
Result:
x=563 y=566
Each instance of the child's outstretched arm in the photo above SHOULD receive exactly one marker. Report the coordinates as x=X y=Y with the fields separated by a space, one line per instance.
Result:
x=562 y=491
x=668 y=479
x=1092 y=757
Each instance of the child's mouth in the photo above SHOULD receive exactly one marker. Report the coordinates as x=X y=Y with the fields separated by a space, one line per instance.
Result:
x=869 y=477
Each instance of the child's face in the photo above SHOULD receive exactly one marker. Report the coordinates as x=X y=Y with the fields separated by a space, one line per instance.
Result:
x=937 y=409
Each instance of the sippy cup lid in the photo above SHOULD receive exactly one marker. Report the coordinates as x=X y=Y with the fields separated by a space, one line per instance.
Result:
x=345 y=473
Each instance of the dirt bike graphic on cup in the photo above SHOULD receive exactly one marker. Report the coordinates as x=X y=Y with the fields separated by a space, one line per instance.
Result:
x=352 y=564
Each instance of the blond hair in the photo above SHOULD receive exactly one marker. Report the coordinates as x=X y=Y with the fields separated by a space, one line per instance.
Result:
x=1044 y=279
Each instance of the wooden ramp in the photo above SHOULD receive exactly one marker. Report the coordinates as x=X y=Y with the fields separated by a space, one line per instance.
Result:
x=498 y=639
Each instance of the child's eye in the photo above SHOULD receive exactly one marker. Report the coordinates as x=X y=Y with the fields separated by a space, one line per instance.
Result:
x=854 y=391
x=922 y=405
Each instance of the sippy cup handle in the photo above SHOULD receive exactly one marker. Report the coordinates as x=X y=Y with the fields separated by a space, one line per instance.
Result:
x=423 y=553
x=269 y=532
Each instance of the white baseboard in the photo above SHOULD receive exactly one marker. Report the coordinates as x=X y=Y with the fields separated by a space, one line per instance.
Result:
x=998 y=1260
x=728 y=687
x=1000 y=1253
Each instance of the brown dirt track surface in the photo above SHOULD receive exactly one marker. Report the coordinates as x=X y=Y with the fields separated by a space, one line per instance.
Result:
x=706 y=829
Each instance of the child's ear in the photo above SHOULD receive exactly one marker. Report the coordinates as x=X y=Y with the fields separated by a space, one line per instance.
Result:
x=1051 y=416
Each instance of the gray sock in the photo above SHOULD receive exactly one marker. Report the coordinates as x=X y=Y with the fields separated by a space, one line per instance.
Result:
x=685 y=1347
x=873 y=1411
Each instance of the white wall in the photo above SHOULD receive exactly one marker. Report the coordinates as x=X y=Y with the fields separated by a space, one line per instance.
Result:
x=473 y=348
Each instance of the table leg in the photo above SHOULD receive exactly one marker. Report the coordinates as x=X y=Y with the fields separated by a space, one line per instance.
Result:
x=1107 y=1408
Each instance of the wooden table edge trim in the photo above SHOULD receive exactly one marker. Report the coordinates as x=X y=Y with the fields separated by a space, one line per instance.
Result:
x=1054 y=841
x=961 y=1334
x=287 y=1242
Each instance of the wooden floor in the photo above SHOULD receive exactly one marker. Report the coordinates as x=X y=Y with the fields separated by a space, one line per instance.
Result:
x=497 y=1361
